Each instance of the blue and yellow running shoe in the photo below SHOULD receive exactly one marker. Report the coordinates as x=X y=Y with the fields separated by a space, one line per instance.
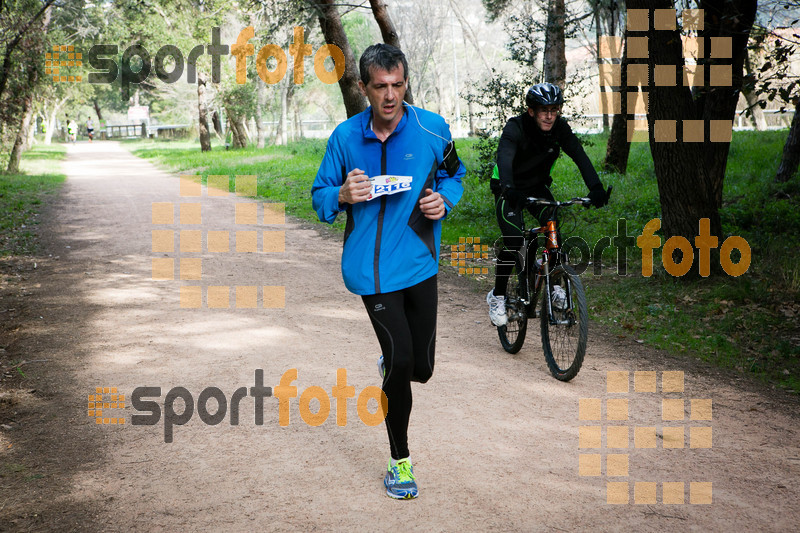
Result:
x=400 y=481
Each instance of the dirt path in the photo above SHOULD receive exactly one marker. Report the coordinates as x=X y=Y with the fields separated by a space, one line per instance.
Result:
x=494 y=438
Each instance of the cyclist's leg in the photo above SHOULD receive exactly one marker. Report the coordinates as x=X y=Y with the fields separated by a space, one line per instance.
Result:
x=387 y=314
x=510 y=222
x=421 y=304
x=542 y=213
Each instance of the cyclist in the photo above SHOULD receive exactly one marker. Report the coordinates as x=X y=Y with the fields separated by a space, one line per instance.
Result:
x=528 y=149
x=391 y=242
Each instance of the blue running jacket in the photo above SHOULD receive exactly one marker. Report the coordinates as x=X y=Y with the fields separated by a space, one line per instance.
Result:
x=389 y=245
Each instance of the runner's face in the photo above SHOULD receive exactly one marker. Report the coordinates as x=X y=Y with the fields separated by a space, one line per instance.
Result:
x=385 y=92
x=545 y=116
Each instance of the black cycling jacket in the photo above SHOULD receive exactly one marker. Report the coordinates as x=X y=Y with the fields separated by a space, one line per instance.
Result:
x=526 y=154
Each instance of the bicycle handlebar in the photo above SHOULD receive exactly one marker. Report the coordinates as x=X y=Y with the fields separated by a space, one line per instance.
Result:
x=555 y=203
x=584 y=201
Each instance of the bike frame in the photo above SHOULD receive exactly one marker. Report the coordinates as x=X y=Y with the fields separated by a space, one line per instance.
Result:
x=552 y=256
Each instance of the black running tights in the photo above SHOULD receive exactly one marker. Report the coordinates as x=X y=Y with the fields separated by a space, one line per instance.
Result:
x=405 y=323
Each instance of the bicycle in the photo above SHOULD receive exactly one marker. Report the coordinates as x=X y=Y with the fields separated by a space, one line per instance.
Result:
x=564 y=316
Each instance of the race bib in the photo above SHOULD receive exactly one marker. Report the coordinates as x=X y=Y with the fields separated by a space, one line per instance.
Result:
x=382 y=185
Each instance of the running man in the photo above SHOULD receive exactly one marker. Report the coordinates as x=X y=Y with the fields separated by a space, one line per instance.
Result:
x=72 y=130
x=394 y=171
x=90 y=128
x=527 y=151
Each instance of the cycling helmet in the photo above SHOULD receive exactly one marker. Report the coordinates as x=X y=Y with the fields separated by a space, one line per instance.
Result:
x=544 y=94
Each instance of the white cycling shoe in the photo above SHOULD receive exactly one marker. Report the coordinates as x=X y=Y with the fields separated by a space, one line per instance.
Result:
x=497 y=309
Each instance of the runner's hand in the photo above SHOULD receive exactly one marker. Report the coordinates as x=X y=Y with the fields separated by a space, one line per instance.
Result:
x=432 y=205
x=356 y=187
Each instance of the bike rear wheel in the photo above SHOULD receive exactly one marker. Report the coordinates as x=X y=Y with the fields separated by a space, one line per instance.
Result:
x=512 y=335
x=564 y=342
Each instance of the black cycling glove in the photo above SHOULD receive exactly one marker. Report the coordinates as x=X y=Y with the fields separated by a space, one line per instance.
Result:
x=598 y=195
x=514 y=197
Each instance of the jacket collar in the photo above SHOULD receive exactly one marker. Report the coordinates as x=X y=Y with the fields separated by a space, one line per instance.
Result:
x=366 y=123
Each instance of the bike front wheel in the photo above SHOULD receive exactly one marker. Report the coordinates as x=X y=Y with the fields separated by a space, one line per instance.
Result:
x=512 y=335
x=564 y=333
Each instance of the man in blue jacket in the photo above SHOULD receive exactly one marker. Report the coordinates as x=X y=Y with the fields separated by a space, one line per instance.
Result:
x=394 y=171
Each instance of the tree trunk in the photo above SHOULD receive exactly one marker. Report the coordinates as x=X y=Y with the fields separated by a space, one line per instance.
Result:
x=471 y=119
x=238 y=133
x=555 y=58
x=618 y=147
x=31 y=137
x=205 y=137
x=388 y=33
x=600 y=61
x=298 y=124
x=261 y=96
x=281 y=137
x=734 y=19
x=791 y=150
x=51 y=124
x=748 y=90
x=289 y=126
x=27 y=104
x=22 y=135
x=331 y=25
x=217 y=123
x=690 y=174
x=251 y=127
x=97 y=110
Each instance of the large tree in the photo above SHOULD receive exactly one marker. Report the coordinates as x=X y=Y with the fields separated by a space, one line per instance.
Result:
x=776 y=43
x=19 y=21
x=608 y=17
x=618 y=147
x=689 y=132
x=34 y=50
x=331 y=24
x=791 y=150
x=555 y=57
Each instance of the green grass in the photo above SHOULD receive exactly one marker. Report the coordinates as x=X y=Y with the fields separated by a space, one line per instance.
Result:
x=284 y=174
x=750 y=323
x=22 y=195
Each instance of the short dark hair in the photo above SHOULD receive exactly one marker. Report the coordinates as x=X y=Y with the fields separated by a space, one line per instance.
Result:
x=383 y=56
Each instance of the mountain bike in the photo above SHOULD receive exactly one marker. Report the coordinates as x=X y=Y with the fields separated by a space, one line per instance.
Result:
x=563 y=312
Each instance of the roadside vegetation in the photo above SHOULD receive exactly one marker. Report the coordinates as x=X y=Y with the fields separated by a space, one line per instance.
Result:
x=22 y=195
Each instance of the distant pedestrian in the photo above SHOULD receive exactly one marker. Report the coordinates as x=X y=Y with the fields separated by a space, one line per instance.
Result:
x=90 y=128
x=72 y=130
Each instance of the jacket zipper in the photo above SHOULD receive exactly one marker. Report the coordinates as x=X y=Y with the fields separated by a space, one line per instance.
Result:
x=376 y=259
